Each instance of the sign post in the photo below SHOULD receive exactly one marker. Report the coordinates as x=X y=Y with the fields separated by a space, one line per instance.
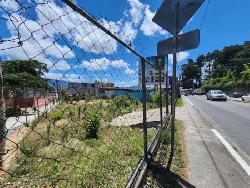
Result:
x=173 y=16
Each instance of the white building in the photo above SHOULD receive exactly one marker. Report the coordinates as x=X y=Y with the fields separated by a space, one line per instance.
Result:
x=152 y=75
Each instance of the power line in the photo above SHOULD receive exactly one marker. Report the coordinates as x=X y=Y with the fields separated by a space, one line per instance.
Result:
x=205 y=13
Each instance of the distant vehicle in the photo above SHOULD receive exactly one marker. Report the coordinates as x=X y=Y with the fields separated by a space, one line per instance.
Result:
x=246 y=98
x=185 y=92
x=216 y=95
x=199 y=92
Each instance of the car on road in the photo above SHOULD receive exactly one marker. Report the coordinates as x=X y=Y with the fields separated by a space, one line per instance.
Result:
x=216 y=95
x=246 y=98
x=199 y=92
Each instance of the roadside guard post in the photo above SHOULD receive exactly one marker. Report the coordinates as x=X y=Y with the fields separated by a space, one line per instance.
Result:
x=172 y=16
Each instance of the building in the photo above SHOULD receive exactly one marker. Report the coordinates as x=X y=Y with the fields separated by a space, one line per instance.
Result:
x=101 y=89
x=152 y=74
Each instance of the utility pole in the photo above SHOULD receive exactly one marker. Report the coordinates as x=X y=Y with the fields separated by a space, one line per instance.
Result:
x=2 y=119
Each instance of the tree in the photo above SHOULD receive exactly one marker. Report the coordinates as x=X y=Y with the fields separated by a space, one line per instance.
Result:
x=19 y=75
x=201 y=60
x=190 y=72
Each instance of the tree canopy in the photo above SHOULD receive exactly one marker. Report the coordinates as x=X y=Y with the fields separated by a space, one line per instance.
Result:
x=21 y=74
x=223 y=69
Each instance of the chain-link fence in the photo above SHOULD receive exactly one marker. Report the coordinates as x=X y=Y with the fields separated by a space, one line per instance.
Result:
x=76 y=110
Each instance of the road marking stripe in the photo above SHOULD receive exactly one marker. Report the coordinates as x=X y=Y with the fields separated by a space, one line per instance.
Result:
x=238 y=158
x=189 y=101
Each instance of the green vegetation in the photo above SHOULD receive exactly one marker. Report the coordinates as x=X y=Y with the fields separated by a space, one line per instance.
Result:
x=154 y=100
x=13 y=111
x=121 y=105
x=56 y=115
x=230 y=80
x=227 y=69
x=64 y=150
x=158 y=167
x=179 y=102
x=19 y=75
x=92 y=123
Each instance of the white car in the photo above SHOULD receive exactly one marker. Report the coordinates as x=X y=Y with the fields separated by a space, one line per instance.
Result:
x=246 y=98
x=216 y=95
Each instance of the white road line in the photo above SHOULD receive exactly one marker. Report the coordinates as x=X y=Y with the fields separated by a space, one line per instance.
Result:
x=189 y=101
x=238 y=158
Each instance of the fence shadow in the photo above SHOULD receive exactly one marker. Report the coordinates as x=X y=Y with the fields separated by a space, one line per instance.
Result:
x=165 y=178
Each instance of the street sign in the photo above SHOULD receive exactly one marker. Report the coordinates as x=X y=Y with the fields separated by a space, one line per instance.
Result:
x=166 y=15
x=186 y=41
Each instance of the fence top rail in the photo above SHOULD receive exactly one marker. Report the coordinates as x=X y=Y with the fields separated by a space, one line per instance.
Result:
x=104 y=29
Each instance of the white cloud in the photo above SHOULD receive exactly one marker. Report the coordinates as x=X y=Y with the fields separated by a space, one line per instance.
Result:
x=10 y=5
x=148 y=27
x=35 y=43
x=96 y=64
x=128 y=32
x=55 y=76
x=59 y=65
x=136 y=11
x=104 y=63
x=64 y=77
x=119 y=64
x=129 y=71
x=127 y=83
x=77 y=29
x=180 y=56
x=50 y=36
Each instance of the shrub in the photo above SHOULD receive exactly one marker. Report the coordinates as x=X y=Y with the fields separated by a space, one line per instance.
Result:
x=166 y=137
x=27 y=148
x=92 y=124
x=120 y=105
x=36 y=121
x=155 y=97
x=13 y=112
x=57 y=115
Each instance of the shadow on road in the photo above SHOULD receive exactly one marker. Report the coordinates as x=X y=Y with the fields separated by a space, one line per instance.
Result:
x=161 y=177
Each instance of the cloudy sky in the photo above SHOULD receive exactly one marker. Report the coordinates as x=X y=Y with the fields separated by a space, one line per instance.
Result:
x=75 y=50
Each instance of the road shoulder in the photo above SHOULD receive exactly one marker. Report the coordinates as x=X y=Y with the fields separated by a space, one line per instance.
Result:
x=210 y=164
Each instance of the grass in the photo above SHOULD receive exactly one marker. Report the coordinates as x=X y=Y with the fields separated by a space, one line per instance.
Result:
x=153 y=105
x=104 y=162
x=179 y=102
x=58 y=154
x=158 y=175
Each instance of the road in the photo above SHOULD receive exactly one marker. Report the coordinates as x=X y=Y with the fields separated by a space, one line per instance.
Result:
x=232 y=117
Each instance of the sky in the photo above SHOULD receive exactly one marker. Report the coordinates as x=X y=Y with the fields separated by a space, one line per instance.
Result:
x=75 y=50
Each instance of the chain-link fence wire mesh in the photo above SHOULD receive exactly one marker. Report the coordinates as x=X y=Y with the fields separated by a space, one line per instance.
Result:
x=72 y=99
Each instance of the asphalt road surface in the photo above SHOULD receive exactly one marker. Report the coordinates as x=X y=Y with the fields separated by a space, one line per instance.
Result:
x=231 y=116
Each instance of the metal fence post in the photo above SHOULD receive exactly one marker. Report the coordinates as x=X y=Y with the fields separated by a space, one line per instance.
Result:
x=144 y=101
x=46 y=110
x=2 y=120
x=160 y=62
x=167 y=89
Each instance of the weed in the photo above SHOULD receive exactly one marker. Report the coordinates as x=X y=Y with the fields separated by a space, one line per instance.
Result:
x=56 y=115
x=92 y=124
